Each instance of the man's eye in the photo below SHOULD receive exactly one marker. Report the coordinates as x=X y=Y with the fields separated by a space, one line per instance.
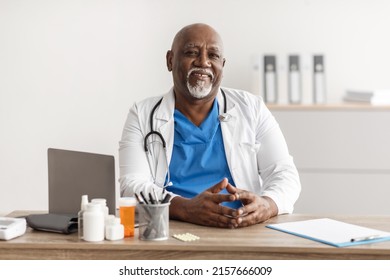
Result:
x=191 y=53
x=214 y=55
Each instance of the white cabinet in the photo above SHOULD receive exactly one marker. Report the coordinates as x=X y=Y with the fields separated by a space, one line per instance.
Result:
x=343 y=157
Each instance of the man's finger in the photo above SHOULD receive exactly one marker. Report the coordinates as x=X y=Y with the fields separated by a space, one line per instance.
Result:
x=219 y=186
x=231 y=189
x=222 y=220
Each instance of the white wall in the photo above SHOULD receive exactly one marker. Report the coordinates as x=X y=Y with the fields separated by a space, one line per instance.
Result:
x=70 y=69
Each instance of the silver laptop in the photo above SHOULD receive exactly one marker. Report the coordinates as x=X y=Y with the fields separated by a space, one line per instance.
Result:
x=73 y=174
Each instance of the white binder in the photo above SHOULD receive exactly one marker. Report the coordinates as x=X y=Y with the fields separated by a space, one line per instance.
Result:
x=270 y=79
x=294 y=80
x=319 y=88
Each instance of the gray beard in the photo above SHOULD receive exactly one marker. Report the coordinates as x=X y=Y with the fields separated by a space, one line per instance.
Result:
x=199 y=91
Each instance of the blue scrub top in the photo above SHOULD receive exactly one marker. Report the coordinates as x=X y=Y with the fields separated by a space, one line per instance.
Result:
x=198 y=159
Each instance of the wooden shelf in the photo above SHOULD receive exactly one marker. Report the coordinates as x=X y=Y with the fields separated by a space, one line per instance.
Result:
x=328 y=107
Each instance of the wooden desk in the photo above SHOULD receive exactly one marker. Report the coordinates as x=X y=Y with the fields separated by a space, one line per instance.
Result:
x=255 y=242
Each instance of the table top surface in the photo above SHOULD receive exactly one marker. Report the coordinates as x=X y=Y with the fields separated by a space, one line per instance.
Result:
x=246 y=242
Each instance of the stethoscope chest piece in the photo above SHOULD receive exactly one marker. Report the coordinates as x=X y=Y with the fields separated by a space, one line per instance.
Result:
x=224 y=117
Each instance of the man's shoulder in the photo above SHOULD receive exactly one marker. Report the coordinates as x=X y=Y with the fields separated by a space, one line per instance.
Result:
x=150 y=102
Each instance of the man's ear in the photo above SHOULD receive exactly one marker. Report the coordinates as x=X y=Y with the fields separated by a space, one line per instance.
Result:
x=169 y=60
x=223 y=64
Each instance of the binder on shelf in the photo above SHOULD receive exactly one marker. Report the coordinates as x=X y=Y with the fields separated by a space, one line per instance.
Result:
x=332 y=232
x=270 y=79
x=294 y=79
x=373 y=97
x=319 y=91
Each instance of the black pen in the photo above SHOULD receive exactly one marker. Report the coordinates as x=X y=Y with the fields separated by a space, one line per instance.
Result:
x=138 y=199
x=166 y=198
x=144 y=198
x=365 y=238
x=162 y=194
x=152 y=200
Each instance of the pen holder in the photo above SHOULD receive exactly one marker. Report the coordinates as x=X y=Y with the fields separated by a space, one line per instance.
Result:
x=153 y=221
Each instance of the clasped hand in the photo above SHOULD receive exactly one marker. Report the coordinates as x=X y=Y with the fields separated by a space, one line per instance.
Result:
x=206 y=209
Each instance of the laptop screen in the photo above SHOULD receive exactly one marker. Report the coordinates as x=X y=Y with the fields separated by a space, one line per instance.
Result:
x=73 y=174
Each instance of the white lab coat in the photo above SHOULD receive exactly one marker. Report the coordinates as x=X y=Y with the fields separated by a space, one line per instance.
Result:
x=256 y=150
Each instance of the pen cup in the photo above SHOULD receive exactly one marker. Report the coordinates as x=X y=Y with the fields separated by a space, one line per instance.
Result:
x=154 y=221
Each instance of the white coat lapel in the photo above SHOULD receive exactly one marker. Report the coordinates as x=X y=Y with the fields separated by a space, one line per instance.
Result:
x=229 y=122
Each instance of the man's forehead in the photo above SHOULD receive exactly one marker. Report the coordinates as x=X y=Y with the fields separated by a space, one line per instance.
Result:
x=213 y=46
x=196 y=35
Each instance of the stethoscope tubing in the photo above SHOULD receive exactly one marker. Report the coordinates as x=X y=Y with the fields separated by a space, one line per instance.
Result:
x=152 y=131
x=161 y=137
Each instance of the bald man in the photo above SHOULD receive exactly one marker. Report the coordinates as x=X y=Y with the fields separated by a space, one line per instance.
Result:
x=218 y=152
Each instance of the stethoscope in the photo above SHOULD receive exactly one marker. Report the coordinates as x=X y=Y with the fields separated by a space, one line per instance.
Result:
x=223 y=117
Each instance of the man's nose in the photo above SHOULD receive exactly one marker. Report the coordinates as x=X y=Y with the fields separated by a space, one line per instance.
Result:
x=203 y=60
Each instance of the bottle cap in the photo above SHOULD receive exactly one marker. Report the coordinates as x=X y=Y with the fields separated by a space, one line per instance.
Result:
x=84 y=198
x=94 y=206
x=110 y=219
x=127 y=201
x=102 y=201
x=116 y=221
x=84 y=202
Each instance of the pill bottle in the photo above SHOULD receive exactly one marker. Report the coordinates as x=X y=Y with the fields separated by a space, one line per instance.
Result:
x=93 y=222
x=127 y=214
x=83 y=208
x=103 y=203
x=114 y=229
x=108 y=220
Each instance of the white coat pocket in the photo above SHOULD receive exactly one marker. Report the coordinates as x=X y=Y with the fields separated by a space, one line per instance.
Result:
x=247 y=155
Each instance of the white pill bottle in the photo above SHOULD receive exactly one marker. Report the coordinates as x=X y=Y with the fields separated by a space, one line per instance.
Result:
x=93 y=219
x=114 y=229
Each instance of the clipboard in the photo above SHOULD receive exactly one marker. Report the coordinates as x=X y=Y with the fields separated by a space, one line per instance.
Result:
x=332 y=232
